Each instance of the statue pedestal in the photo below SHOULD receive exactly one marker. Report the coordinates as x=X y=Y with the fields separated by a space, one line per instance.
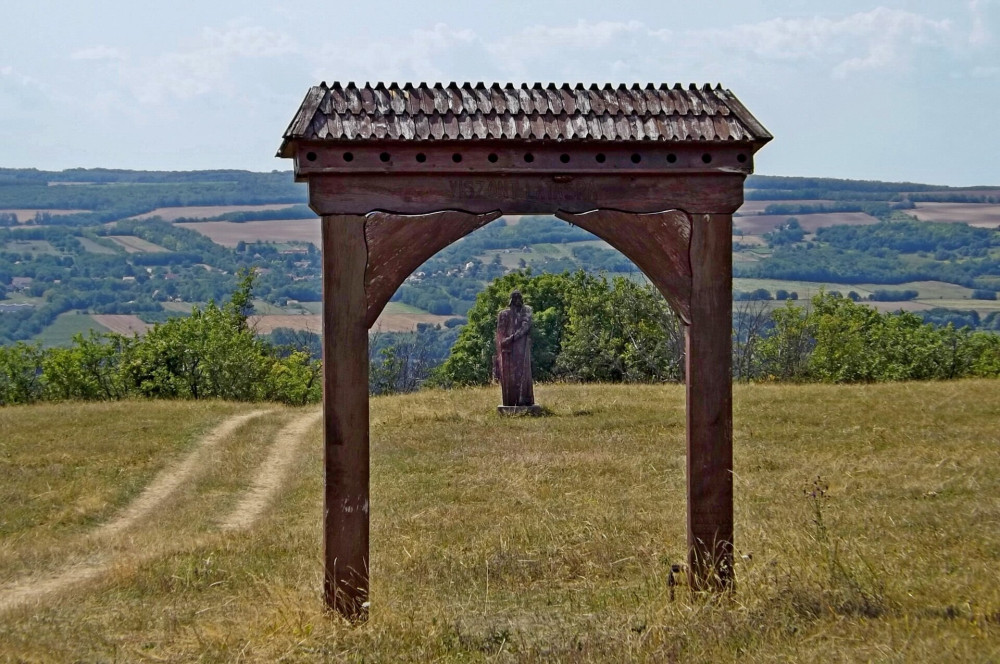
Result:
x=533 y=409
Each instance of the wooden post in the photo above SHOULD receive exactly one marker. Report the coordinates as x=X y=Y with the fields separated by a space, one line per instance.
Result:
x=710 y=404
x=345 y=416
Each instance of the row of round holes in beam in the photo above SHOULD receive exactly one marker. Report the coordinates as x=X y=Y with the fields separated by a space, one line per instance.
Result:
x=529 y=157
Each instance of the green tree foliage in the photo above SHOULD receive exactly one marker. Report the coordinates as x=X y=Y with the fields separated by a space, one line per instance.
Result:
x=471 y=358
x=789 y=232
x=402 y=361
x=888 y=295
x=838 y=340
x=20 y=374
x=212 y=353
x=889 y=252
x=585 y=328
x=621 y=331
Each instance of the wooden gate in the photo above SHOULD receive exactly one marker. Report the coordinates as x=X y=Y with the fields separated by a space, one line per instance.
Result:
x=397 y=173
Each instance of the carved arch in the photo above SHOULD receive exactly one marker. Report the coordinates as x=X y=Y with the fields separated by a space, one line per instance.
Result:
x=398 y=244
x=659 y=243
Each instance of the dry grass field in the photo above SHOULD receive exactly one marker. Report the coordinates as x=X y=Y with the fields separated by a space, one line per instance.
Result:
x=982 y=215
x=203 y=211
x=127 y=324
x=135 y=245
x=229 y=234
x=758 y=207
x=765 y=223
x=24 y=215
x=266 y=324
x=867 y=521
x=387 y=322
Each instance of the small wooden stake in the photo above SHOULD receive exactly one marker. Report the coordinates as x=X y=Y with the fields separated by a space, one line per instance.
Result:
x=345 y=416
x=710 y=405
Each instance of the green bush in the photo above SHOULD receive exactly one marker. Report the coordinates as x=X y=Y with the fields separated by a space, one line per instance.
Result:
x=211 y=354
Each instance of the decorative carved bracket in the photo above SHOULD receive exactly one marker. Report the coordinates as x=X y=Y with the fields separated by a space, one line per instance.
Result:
x=659 y=243
x=399 y=244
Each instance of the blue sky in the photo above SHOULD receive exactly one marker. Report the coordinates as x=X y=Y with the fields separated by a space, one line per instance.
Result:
x=890 y=90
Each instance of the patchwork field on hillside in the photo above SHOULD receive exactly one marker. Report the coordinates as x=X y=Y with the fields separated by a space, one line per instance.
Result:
x=387 y=322
x=133 y=245
x=764 y=223
x=25 y=215
x=203 y=211
x=229 y=234
x=981 y=215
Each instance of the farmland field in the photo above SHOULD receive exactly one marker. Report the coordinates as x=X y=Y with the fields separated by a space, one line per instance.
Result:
x=94 y=247
x=928 y=290
x=387 y=322
x=975 y=214
x=24 y=216
x=764 y=223
x=865 y=530
x=135 y=245
x=62 y=329
x=202 y=211
x=122 y=323
x=229 y=234
x=757 y=207
x=180 y=307
x=265 y=324
x=35 y=247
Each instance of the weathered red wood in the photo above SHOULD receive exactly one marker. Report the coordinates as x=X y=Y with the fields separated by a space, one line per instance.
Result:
x=710 y=404
x=345 y=416
x=398 y=245
x=658 y=243
x=524 y=194
x=498 y=157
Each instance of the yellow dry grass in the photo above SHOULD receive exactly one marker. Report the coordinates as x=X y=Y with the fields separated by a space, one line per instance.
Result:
x=983 y=215
x=387 y=322
x=202 y=211
x=23 y=215
x=551 y=539
x=133 y=245
x=229 y=233
x=127 y=324
x=765 y=223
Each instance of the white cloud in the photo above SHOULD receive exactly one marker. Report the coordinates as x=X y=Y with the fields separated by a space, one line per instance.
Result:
x=248 y=41
x=875 y=40
x=100 y=52
x=881 y=39
x=206 y=67
x=979 y=35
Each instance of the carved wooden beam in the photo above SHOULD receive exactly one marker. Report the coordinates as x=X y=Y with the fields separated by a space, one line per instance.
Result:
x=399 y=244
x=659 y=243
x=524 y=193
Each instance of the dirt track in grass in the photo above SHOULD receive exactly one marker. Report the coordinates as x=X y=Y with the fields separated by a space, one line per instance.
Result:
x=250 y=506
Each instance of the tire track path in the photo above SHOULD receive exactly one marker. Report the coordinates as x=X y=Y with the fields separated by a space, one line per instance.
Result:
x=31 y=588
x=271 y=474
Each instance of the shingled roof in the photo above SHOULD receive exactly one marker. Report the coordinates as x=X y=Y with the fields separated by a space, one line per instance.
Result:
x=521 y=112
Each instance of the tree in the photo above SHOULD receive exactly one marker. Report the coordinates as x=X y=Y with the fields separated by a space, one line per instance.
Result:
x=584 y=328
x=785 y=351
x=471 y=359
x=20 y=373
x=620 y=331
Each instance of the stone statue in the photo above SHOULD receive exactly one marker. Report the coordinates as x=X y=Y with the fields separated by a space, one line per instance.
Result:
x=512 y=365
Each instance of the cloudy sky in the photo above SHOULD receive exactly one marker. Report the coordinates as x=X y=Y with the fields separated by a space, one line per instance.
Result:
x=864 y=89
